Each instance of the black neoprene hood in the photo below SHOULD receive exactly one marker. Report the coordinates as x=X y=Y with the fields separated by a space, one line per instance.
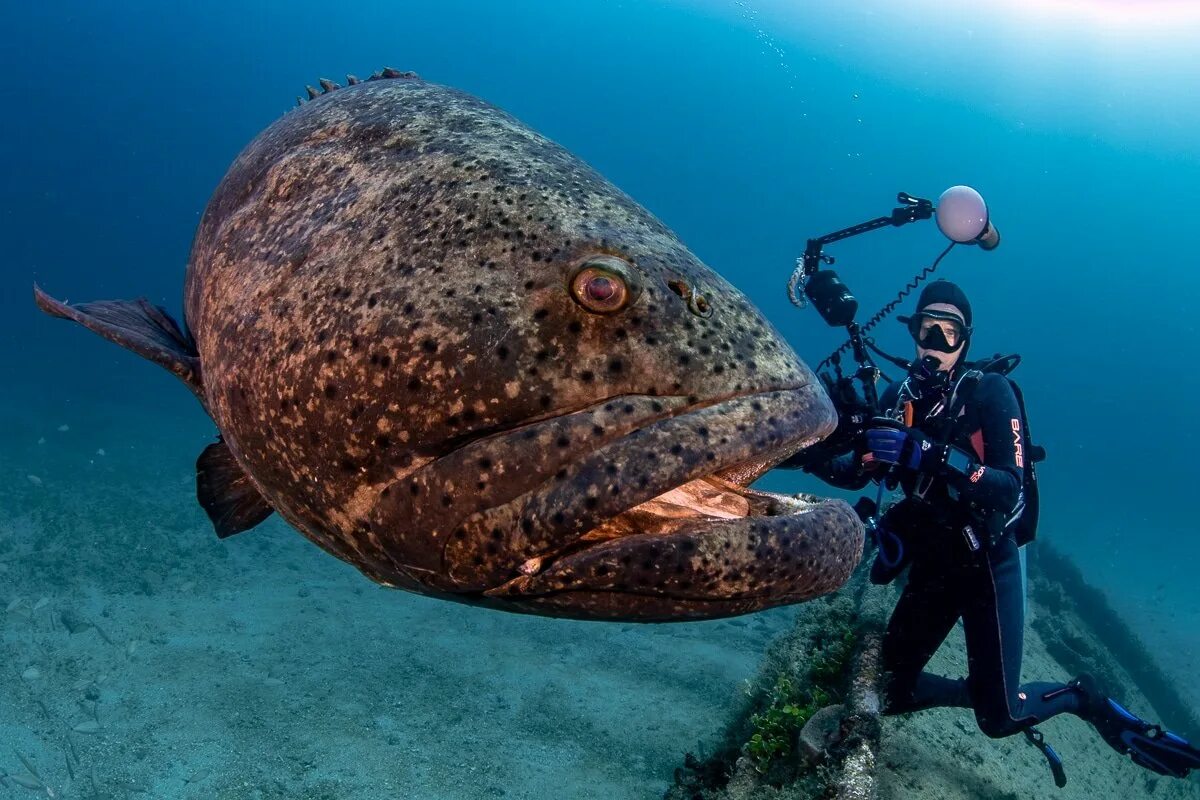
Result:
x=943 y=291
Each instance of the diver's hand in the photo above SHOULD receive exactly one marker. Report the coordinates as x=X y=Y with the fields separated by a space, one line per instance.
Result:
x=902 y=447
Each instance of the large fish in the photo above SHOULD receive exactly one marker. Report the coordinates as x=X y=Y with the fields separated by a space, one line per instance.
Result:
x=453 y=355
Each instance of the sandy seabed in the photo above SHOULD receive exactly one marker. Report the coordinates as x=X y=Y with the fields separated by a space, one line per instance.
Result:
x=260 y=667
x=941 y=755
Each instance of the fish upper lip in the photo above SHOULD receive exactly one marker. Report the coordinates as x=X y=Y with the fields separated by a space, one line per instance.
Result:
x=477 y=437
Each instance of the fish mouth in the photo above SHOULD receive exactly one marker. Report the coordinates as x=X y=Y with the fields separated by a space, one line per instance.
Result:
x=677 y=480
x=721 y=489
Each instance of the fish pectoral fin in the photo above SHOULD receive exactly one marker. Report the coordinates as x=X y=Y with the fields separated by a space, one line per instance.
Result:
x=230 y=499
x=136 y=325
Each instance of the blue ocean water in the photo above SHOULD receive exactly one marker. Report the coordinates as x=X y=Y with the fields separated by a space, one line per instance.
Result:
x=747 y=126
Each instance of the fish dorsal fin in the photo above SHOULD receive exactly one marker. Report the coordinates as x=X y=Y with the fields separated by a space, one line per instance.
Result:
x=327 y=86
x=226 y=493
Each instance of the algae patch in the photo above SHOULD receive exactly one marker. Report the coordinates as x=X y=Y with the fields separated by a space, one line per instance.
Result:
x=802 y=721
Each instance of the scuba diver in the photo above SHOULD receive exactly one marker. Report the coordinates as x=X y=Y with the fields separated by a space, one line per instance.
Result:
x=952 y=438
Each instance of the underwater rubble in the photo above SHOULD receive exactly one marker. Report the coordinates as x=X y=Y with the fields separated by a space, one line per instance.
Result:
x=808 y=726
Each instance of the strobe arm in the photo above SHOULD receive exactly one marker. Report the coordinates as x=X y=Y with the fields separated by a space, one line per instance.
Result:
x=822 y=287
x=910 y=210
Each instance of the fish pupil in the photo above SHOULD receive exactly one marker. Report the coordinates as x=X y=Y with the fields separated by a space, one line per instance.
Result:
x=601 y=288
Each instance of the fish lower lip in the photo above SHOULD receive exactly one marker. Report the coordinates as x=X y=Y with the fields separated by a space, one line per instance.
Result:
x=716 y=567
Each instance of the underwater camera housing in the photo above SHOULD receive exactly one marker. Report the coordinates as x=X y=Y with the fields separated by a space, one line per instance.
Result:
x=962 y=216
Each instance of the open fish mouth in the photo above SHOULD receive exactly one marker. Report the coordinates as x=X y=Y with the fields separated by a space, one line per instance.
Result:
x=683 y=508
x=643 y=501
x=721 y=490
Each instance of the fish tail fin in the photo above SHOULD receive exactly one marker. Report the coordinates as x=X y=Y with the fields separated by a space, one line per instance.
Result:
x=136 y=325
x=232 y=502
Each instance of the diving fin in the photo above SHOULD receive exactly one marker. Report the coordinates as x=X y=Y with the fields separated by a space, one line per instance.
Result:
x=136 y=325
x=1152 y=747
x=225 y=492
x=1148 y=745
x=1053 y=759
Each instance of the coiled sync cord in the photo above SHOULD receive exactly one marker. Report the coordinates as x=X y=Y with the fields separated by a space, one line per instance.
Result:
x=883 y=313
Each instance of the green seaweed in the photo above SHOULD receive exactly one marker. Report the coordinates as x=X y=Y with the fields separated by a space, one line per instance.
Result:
x=773 y=727
x=789 y=706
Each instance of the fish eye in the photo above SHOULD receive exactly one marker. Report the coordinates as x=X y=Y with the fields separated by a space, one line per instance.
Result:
x=603 y=285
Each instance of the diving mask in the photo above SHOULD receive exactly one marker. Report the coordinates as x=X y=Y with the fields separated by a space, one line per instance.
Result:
x=937 y=330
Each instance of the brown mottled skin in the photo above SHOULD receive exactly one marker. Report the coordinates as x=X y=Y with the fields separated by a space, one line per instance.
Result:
x=379 y=295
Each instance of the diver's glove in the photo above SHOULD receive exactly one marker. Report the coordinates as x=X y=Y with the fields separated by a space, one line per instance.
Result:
x=902 y=447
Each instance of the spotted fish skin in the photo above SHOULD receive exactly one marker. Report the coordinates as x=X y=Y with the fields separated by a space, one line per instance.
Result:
x=380 y=301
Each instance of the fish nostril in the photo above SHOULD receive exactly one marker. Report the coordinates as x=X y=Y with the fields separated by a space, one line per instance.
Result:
x=697 y=302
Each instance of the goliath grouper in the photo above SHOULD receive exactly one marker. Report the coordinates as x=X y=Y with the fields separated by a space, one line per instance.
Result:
x=453 y=355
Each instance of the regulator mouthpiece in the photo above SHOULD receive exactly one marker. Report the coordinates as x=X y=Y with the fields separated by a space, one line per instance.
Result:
x=963 y=217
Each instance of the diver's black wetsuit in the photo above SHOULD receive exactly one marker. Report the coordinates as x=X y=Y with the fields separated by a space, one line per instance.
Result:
x=948 y=580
